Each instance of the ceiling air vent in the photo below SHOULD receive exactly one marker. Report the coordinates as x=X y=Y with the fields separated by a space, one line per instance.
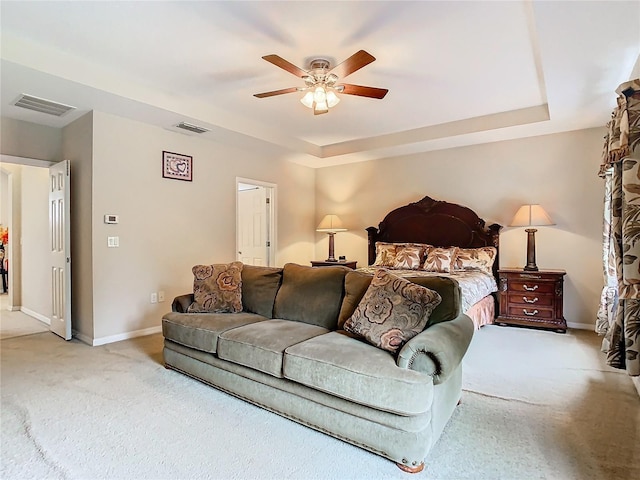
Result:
x=42 y=105
x=191 y=127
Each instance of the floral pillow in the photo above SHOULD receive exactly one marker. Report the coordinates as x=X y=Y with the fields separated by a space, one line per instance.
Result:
x=409 y=256
x=385 y=254
x=392 y=311
x=475 y=259
x=440 y=259
x=217 y=288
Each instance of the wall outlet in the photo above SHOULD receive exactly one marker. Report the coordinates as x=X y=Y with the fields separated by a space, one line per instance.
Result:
x=154 y=297
x=161 y=296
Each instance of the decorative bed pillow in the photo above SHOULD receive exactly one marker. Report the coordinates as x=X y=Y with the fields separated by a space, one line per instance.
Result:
x=217 y=288
x=385 y=254
x=409 y=256
x=475 y=259
x=440 y=259
x=392 y=311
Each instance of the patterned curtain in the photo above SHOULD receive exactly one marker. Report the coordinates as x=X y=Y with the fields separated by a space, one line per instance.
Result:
x=619 y=313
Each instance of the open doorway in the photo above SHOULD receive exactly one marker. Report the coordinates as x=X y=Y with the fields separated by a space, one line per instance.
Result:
x=25 y=304
x=255 y=222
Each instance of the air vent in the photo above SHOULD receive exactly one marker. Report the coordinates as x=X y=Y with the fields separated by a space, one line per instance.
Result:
x=192 y=128
x=41 y=105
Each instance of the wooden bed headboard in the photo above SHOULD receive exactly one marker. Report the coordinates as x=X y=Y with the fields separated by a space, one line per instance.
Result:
x=437 y=223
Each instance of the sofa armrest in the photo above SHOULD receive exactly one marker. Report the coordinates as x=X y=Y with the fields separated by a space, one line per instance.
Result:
x=438 y=350
x=181 y=303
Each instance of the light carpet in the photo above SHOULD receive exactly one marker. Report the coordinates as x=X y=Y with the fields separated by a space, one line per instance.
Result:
x=537 y=405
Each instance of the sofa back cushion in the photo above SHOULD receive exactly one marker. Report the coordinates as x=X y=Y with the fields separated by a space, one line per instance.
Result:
x=259 y=288
x=311 y=294
x=356 y=284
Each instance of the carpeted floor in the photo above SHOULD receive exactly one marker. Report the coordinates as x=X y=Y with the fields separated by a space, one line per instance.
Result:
x=16 y=323
x=537 y=405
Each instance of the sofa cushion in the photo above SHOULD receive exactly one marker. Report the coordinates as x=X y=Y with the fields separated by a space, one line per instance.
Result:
x=392 y=311
x=347 y=367
x=356 y=284
x=259 y=288
x=311 y=294
x=261 y=345
x=217 y=288
x=201 y=330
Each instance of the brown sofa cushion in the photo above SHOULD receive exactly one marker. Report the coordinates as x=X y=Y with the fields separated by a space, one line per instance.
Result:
x=356 y=284
x=311 y=294
x=259 y=288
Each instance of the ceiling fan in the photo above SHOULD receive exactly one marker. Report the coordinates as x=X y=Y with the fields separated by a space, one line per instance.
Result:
x=322 y=82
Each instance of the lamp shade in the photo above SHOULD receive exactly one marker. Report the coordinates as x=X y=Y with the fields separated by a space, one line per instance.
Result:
x=331 y=223
x=531 y=215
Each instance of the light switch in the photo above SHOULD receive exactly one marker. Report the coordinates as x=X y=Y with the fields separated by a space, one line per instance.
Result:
x=113 y=242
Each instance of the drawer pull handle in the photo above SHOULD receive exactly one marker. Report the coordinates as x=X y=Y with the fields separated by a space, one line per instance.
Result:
x=531 y=314
x=530 y=289
x=530 y=301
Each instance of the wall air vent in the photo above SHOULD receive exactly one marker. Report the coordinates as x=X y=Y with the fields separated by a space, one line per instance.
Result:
x=41 y=105
x=191 y=127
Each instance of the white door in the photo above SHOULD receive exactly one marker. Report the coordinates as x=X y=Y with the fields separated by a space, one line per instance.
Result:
x=252 y=226
x=60 y=241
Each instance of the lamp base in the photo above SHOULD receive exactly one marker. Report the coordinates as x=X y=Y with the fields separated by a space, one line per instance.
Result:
x=332 y=257
x=531 y=250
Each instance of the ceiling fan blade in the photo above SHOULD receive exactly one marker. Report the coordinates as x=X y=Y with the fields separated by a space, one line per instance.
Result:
x=353 y=63
x=361 y=91
x=289 y=67
x=275 y=92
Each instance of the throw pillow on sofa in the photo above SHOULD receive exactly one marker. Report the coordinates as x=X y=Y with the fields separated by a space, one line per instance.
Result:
x=392 y=311
x=217 y=288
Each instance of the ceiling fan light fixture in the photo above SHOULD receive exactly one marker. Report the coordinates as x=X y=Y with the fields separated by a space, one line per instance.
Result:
x=320 y=107
x=332 y=99
x=307 y=99
x=320 y=94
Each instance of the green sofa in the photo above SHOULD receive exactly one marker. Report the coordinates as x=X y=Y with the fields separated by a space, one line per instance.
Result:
x=286 y=352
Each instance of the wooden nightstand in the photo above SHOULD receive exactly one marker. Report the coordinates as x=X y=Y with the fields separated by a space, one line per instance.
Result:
x=531 y=298
x=324 y=263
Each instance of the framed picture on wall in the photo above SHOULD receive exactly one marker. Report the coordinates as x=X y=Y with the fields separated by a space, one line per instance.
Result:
x=177 y=166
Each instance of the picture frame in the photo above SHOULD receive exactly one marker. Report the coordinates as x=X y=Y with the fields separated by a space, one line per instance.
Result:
x=177 y=166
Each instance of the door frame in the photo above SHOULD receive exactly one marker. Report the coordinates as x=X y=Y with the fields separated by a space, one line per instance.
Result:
x=272 y=190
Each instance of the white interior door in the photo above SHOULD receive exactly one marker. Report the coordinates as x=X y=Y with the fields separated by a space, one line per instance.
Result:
x=253 y=238
x=60 y=241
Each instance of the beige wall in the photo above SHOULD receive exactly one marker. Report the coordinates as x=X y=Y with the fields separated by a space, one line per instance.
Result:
x=167 y=226
x=25 y=139
x=36 y=280
x=558 y=171
x=77 y=148
x=13 y=252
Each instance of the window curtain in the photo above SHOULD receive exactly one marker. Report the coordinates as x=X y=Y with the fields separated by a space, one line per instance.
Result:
x=618 y=317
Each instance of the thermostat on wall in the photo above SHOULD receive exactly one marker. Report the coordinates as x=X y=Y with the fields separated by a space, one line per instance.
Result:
x=111 y=218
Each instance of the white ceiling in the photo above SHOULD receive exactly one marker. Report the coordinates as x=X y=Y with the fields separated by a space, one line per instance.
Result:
x=458 y=73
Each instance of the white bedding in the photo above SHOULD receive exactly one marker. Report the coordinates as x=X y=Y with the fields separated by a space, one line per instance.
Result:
x=474 y=284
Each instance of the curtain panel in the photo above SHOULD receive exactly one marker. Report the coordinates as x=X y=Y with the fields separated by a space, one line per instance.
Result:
x=618 y=317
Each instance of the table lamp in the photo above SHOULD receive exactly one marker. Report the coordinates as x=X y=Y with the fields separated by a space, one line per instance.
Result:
x=331 y=224
x=528 y=216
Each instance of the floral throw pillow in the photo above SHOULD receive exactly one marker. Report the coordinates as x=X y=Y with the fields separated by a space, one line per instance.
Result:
x=440 y=259
x=392 y=311
x=217 y=288
x=475 y=259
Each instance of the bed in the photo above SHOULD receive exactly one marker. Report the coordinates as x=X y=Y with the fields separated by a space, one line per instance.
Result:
x=434 y=237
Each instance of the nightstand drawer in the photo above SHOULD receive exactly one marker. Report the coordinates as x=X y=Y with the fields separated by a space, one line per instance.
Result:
x=531 y=286
x=530 y=312
x=526 y=298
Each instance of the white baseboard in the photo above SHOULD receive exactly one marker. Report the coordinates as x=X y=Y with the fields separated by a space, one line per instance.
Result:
x=36 y=315
x=122 y=336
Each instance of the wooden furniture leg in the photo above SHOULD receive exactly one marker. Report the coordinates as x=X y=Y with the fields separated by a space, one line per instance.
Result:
x=408 y=469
